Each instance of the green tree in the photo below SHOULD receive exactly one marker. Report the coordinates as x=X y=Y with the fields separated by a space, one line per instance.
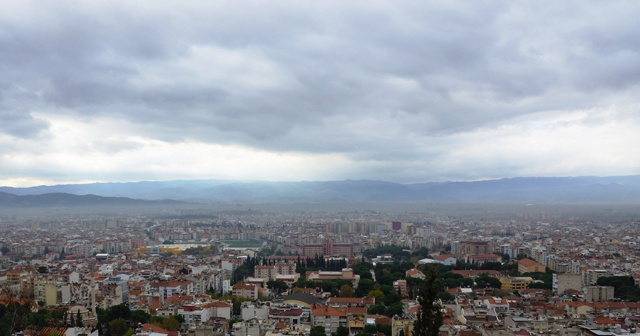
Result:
x=391 y=298
x=341 y=331
x=236 y=303
x=170 y=323
x=346 y=291
x=508 y=267
x=372 y=329
x=430 y=318
x=317 y=331
x=79 y=322
x=465 y=266
x=487 y=281
x=364 y=286
x=278 y=286
x=376 y=309
x=139 y=316
x=394 y=309
x=496 y=266
x=15 y=317
x=363 y=269
x=103 y=316
x=624 y=287
x=118 y=327
x=384 y=328
x=387 y=289
x=545 y=277
x=120 y=311
x=40 y=319
x=420 y=253
x=376 y=293
x=199 y=250
x=444 y=296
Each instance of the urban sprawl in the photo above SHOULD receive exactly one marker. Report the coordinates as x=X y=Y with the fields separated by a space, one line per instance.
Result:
x=257 y=273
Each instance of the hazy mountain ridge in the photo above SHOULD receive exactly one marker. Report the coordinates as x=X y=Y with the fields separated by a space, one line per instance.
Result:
x=57 y=199
x=584 y=189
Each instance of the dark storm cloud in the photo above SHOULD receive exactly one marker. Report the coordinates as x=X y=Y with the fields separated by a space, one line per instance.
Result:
x=16 y=118
x=379 y=82
x=20 y=124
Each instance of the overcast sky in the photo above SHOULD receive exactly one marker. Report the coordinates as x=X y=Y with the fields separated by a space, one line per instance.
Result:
x=403 y=91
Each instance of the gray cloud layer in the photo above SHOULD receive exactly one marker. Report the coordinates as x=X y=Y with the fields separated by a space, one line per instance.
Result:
x=393 y=83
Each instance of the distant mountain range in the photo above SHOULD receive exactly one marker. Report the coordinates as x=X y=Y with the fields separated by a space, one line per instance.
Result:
x=574 y=190
x=65 y=200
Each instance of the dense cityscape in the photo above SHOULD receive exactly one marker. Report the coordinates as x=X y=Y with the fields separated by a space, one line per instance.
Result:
x=257 y=272
x=319 y=168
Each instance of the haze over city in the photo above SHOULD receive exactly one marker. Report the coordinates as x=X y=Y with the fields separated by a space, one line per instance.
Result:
x=395 y=91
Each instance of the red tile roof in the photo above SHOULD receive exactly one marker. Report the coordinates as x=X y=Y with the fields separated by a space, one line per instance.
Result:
x=154 y=328
x=606 y=320
x=528 y=262
x=329 y=311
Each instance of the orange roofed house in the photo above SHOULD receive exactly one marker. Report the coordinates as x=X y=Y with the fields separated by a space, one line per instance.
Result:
x=415 y=273
x=333 y=317
x=446 y=259
x=153 y=329
x=345 y=274
x=529 y=266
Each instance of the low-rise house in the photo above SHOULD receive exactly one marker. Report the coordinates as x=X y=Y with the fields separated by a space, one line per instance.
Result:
x=446 y=259
x=499 y=305
x=250 y=310
x=245 y=290
x=150 y=329
x=220 y=309
x=286 y=313
x=329 y=317
x=515 y=283
x=254 y=327
x=529 y=266
x=415 y=273
x=345 y=274
x=194 y=315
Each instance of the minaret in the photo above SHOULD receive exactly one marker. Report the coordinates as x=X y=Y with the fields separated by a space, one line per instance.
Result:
x=93 y=286
x=93 y=293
